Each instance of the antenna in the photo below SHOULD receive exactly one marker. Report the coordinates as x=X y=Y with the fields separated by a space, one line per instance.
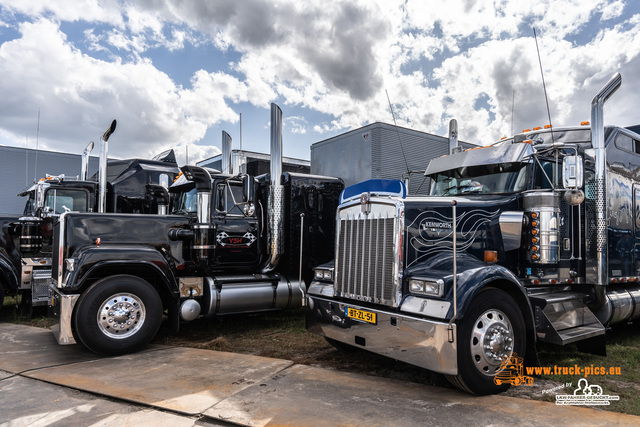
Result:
x=513 y=107
x=544 y=86
x=398 y=133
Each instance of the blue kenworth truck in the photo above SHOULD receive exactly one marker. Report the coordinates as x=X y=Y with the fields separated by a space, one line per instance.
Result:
x=533 y=239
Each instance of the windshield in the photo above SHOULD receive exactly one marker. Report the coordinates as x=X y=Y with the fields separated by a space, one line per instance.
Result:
x=187 y=202
x=481 y=179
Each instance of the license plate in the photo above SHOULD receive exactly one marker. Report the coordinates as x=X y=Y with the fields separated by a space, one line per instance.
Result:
x=361 y=315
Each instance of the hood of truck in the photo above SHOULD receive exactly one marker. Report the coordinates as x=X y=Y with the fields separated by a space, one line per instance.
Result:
x=429 y=223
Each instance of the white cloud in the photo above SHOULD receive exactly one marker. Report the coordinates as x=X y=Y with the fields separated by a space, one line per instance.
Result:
x=77 y=95
x=438 y=60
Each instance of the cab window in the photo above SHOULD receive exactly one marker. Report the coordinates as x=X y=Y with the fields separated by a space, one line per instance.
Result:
x=60 y=200
x=229 y=198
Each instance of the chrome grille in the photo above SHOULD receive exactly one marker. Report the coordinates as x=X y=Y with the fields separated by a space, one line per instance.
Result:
x=365 y=261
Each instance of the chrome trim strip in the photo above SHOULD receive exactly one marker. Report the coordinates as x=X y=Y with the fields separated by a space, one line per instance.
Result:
x=61 y=244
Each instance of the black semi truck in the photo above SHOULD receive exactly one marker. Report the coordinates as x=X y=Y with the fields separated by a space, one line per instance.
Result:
x=233 y=244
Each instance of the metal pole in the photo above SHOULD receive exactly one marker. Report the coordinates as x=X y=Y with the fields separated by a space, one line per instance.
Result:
x=300 y=285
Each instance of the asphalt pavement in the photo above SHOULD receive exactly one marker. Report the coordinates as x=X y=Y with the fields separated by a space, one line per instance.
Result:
x=44 y=384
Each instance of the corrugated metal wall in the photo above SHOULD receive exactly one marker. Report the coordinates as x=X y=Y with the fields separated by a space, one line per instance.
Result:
x=376 y=151
x=19 y=167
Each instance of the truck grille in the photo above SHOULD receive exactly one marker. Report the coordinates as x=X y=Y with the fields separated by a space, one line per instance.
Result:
x=366 y=258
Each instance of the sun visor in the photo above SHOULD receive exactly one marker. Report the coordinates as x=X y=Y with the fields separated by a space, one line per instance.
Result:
x=508 y=153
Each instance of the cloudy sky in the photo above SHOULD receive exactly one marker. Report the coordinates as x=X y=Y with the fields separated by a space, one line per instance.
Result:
x=176 y=73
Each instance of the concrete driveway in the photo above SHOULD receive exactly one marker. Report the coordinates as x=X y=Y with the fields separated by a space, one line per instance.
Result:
x=182 y=386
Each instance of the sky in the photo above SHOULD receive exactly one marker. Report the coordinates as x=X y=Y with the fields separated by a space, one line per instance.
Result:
x=175 y=74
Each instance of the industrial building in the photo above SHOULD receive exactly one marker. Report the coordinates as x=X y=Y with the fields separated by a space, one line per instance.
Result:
x=20 y=167
x=380 y=150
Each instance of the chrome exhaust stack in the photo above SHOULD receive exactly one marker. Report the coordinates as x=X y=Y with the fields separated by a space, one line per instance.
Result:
x=275 y=204
x=84 y=174
x=597 y=142
x=102 y=180
x=453 y=136
x=226 y=165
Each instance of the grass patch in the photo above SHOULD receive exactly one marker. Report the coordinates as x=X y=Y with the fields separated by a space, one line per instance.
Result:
x=14 y=311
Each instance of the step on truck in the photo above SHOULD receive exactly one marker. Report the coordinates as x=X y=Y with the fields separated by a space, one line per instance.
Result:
x=234 y=243
x=124 y=186
x=533 y=239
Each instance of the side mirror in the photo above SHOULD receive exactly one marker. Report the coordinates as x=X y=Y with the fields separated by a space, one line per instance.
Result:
x=247 y=188
x=572 y=172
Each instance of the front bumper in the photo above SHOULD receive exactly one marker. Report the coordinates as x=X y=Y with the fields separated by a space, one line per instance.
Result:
x=418 y=341
x=61 y=306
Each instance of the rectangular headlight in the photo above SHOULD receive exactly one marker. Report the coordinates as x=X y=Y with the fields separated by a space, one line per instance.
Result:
x=323 y=274
x=427 y=287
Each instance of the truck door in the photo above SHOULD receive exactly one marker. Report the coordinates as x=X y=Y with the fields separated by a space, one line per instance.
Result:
x=636 y=227
x=237 y=232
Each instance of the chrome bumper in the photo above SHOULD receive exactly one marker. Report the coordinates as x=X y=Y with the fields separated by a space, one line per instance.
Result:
x=61 y=306
x=413 y=340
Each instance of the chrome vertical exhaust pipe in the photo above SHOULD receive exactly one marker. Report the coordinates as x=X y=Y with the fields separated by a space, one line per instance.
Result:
x=102 y=180
x=226 y=165
x=453 y=135
x=597 y=141
x=84 y=174
x=276 y=192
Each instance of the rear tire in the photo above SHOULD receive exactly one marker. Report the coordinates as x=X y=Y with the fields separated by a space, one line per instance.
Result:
x=117 y=315
x=492 y=329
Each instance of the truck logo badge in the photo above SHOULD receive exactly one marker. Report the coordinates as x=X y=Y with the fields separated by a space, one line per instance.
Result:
x=436 y=225
x=365 y=207
x=245 y=240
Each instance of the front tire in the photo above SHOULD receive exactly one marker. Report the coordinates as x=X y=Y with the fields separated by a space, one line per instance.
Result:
x=492 y=330
x=117 y=315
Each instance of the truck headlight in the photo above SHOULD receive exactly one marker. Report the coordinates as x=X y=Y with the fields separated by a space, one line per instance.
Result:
x=323 y=274
x=428 y=287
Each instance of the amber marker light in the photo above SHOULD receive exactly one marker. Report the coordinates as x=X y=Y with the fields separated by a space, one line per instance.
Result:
x=490 y=256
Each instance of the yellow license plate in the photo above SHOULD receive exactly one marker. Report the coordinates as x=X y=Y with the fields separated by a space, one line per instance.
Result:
x=361 y=315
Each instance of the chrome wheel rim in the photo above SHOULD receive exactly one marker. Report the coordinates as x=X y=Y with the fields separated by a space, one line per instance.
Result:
x=121 y=316
x=491 y=341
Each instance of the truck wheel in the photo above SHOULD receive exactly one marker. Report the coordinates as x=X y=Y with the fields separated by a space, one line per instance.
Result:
x=117 y=315
x=492 y=329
